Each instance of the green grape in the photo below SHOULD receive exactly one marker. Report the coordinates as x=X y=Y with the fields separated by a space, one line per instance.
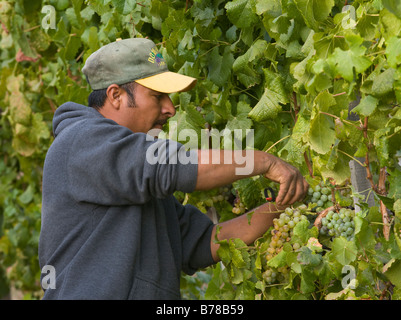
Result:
x=209 y=202
x=239 y=207
x=316 y=195
x=325 y=191
x=320 y=197
x=282 y=233
x=340 y=223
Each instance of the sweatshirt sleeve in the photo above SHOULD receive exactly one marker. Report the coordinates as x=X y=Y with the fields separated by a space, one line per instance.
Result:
x=110 y=165
x=196 y=232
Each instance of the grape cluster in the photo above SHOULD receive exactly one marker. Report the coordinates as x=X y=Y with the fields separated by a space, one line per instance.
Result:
x=282 y=233
x=340 y=223
x=223 y=195
x=239 y=207
x=346 y=192
x=320 y=197
x=272 y=275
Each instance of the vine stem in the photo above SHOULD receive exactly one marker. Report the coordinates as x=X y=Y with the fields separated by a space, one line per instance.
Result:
x=296 y=106
x=308 y=164
x=383 y=209
x=380 y=188
x=296 y=111
x=277 y=142
x=186 y=5
x=353 y=158
x=369 y=175
x=343 y=120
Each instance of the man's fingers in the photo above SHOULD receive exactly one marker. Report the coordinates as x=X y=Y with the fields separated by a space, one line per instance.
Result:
x=293 y=186
x=292 y=190
x=287 y=192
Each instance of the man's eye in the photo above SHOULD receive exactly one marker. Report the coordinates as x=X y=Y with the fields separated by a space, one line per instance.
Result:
x=159 y=96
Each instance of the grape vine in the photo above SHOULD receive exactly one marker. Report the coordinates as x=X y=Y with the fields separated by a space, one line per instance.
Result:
x=318 y=83
x=340 y=223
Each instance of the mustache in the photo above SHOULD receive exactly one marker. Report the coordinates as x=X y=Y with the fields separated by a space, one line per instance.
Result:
x=161 y=122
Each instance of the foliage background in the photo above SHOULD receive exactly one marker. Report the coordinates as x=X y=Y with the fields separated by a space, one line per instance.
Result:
x=287 y=69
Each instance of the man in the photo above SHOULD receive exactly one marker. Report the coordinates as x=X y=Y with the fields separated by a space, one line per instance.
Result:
x=111 y=228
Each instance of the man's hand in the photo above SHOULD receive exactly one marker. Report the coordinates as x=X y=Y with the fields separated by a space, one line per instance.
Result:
x=239 y=227
x=293 y=186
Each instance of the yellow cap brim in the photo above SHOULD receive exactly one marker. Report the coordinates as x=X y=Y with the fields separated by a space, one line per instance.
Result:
x=168 y=82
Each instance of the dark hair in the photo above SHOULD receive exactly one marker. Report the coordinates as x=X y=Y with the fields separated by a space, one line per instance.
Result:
x=97 y=98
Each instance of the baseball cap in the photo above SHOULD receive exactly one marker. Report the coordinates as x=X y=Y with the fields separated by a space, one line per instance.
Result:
x=134 y=59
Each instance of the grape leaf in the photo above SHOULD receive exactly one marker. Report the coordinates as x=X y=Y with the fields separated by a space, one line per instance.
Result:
x=397 y=209
x=270 y=7
x=394 y=273
x=344 y=251
x=268 y=106
x=383 y=83
x=255 y=52
x=322 y=135
x=249 y=192
x=364 y=233
x=295 y=147
x=346 y=61
x=184 y=124
x=20 y=111
x=394 y=6
x=367 y=26
x=307 y=257
x=367 y=106
x=245 y=291
x=240 y=13
x=394 y=179
x=279 y=260
x=391 y=24
x=393 y=52
x=314 y=11
x=274 y=95
x=220 y=66
x=124 y=6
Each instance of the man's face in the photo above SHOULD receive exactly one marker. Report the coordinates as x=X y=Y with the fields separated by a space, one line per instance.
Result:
x=151 y=109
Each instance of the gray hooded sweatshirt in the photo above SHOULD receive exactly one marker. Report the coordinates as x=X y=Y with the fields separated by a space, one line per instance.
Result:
x=111 y=228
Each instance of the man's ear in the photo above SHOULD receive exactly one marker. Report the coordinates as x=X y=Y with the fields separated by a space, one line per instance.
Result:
x=114 y=96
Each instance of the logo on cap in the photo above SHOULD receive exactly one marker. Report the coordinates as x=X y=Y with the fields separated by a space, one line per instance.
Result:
x=156 y=57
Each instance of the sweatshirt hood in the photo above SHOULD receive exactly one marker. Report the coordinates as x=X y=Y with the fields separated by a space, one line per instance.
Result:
x=70 y=113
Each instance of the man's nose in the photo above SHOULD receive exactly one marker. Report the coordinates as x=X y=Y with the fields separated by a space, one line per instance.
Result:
x=168 y=106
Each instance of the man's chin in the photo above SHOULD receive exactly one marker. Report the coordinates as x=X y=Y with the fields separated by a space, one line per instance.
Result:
x=155 y=131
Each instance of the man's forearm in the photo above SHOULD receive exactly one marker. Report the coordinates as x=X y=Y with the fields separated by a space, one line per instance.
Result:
x=261 y=221
x=221 y=167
